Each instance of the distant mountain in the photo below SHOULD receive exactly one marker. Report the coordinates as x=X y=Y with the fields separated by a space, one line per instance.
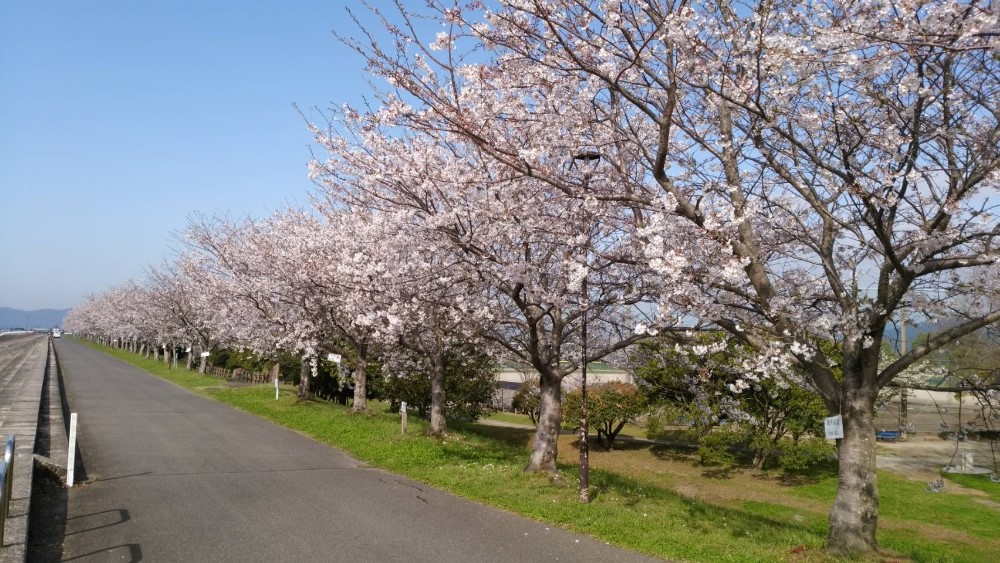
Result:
x=41 y=318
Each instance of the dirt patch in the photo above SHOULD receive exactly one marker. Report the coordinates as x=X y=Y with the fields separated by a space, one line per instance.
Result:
x=987 y=502
x=924 y=459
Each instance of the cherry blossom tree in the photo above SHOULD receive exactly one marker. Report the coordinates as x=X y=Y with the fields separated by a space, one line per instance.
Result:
x=427 y=308
x=797 y=172
x=256 y=272
x=527 y=248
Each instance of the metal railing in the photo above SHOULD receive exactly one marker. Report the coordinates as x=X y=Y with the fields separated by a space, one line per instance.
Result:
x=7 y=478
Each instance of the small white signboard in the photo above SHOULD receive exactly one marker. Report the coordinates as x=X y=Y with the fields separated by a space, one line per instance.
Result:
x=335 y=358
x=834 y=427
x=188 y=350
x=205 y=354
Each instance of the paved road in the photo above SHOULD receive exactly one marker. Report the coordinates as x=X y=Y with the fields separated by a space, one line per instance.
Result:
x=176 y=477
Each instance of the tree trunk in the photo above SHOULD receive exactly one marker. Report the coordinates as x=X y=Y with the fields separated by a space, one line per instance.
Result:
x=304 y=372
x=854 y=516
x=360 y=387
x=544 y=450
x=190 y=358
x=439 y=425
x=202 y=364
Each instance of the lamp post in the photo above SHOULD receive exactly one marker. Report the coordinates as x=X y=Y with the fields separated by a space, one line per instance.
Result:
x=584 y=446
x=589 y=157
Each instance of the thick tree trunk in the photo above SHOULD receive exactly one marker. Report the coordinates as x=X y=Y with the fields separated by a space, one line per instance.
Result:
x=854 y=516
x=439 y=425
x=544 y=450
x=304 y=372
x=202 y=364
x=190 y=358
x=360 y=387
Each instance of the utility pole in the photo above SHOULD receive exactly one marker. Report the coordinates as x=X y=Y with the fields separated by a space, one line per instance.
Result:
x=902 y=390
x=584 y=447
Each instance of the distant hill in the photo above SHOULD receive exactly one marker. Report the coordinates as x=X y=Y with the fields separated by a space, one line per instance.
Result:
x=40 y=318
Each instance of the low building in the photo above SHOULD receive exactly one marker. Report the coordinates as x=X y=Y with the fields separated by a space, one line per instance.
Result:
x=511 y=378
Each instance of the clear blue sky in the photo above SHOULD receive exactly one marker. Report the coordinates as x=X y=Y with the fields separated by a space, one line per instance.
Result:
x=119 y=119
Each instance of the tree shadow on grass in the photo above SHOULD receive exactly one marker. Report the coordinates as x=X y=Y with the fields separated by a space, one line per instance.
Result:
x=738 y=521
x=813 y=476
x=518 y=437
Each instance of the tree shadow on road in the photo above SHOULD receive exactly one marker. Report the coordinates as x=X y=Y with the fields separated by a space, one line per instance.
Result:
x=47 y=519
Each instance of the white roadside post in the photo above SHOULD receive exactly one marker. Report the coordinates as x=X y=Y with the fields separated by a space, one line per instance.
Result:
x=402 y=417
x=276 y=388
x=71 y=454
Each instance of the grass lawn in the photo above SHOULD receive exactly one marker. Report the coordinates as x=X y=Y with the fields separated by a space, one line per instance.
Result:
x=647 y=498
x=628 y=431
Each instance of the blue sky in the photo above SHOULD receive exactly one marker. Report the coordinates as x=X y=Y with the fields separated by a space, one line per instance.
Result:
x=119 y=119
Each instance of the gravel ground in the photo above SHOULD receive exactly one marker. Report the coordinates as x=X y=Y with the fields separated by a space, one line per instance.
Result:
x=925 y=458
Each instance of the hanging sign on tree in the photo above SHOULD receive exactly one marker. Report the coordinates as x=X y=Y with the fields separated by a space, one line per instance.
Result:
x=834 y=427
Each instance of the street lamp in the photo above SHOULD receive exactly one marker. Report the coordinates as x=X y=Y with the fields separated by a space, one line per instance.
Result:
x=588 y=157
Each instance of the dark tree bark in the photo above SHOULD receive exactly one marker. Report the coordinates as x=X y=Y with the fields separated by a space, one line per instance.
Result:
x=304 y=372
x=439 y=424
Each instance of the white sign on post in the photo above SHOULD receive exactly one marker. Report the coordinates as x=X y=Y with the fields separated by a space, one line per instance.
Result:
x=335 y=358
x=205 y=354
x=834 y=427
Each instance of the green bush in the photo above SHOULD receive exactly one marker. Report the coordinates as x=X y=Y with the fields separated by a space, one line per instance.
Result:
x=528 y=400
x=610 y=406
x=714 y=448
x=656 y=424
x=804 y=455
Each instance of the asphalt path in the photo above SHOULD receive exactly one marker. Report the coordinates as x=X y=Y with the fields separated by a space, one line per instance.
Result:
x=172 y=476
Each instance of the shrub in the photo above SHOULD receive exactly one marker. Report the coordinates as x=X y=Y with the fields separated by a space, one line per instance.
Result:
x=805 y=454
x=528 y=400
x=715 y=447
x=609 y=407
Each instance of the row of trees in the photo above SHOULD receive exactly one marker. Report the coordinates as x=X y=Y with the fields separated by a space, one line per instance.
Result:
x=793 y=173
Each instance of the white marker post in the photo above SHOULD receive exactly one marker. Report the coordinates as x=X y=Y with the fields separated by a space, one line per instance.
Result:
x=71 y=455
x=402 y=415
x=275 y=388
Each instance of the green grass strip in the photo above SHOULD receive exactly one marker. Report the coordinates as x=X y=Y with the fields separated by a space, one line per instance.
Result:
x=484 y=463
